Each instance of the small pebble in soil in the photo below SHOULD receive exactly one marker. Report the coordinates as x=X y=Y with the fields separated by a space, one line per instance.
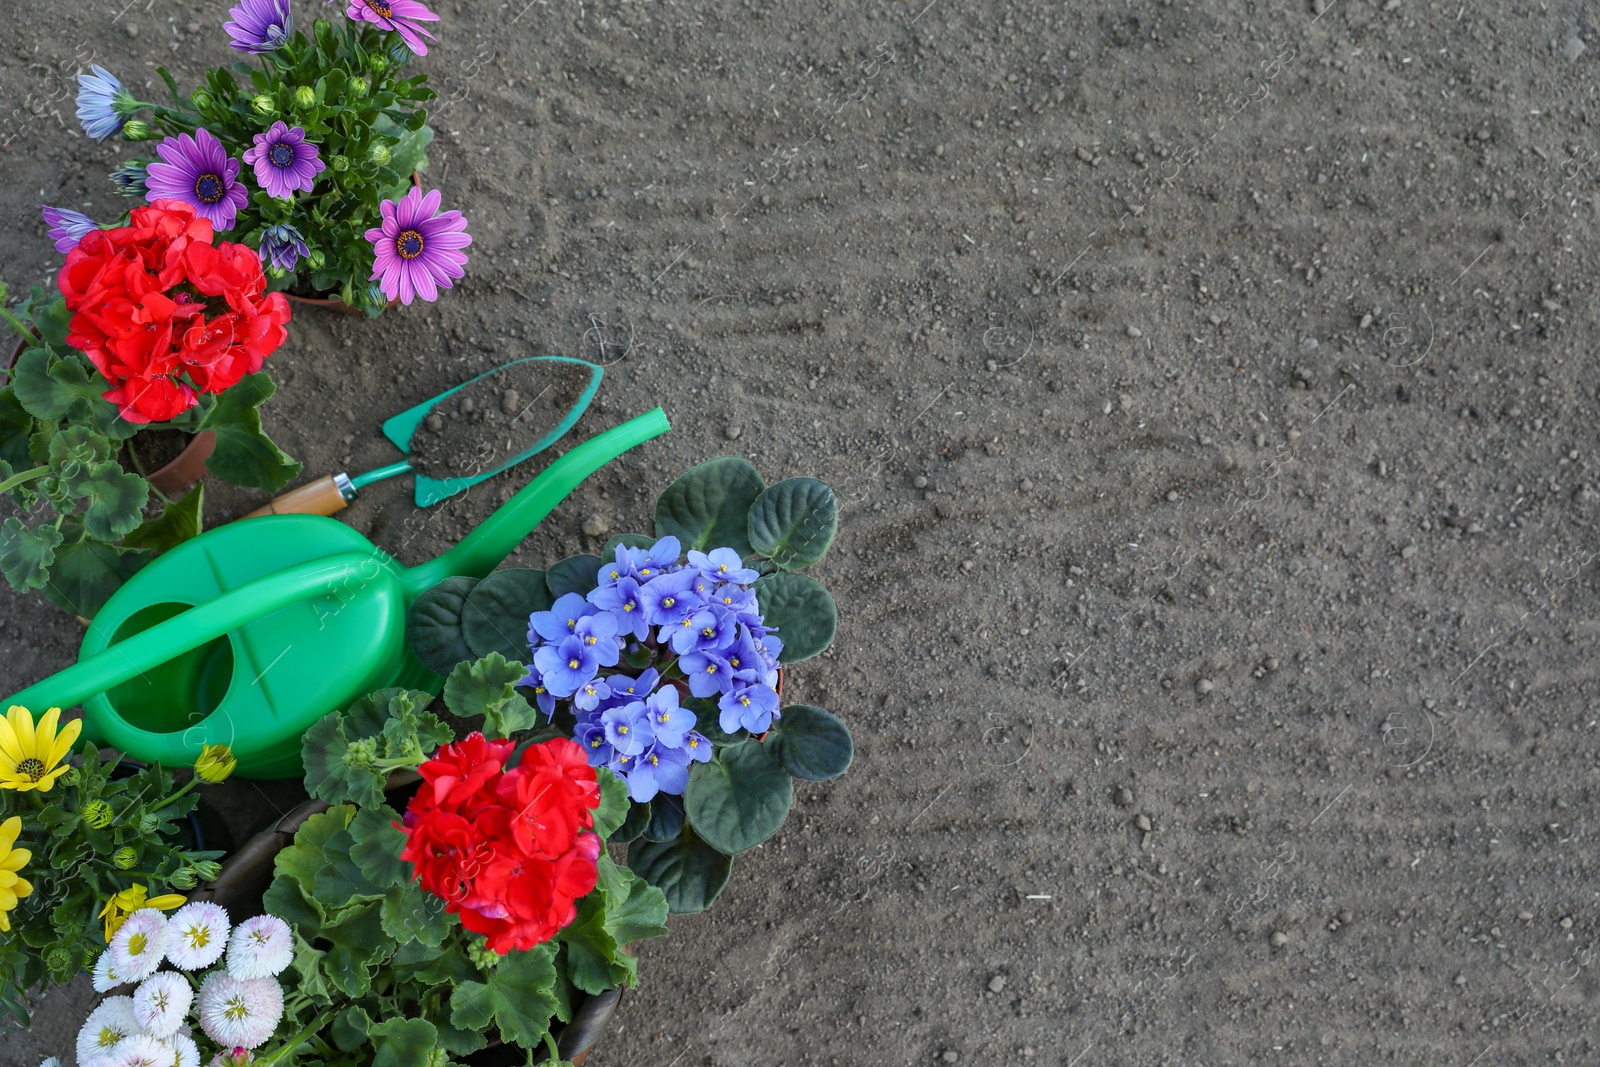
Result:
x=1279 y=939
x=509 y=401
x=919 y=482
x=732 y=432
x=434 y=423
x=596 y=526
x=1134 y=331
x=1172 y=496
x=1144 y=824
x=997 y=983
x=1122 y=797
x=950 y=1055
x=1204 y=685
x=1572 y=49
x=468 y=406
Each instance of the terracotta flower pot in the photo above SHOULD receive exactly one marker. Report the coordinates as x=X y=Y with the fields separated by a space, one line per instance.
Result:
x=247 y=874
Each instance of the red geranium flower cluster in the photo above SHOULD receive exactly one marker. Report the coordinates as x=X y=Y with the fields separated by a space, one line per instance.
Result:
x=507 y=849
x=164 y=312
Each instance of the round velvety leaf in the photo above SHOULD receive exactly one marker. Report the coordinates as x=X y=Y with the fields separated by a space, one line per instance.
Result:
x=666 y=818
x=811 y=743
x=575 y=574
x=709 y=507
x=802 y=612
x=433 y=625
x=689 y=872
x=793 y=523
x=739 y=799
x=495 y=617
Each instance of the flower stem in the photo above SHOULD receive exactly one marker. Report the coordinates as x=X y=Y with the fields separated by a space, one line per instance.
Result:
x=170 y=797
x=18 y=325
x=555 y=1053
x=297 y=1040
x=22 y=476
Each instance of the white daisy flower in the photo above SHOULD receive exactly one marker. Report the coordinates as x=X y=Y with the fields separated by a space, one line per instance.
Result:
x=196 y=935
x=143 y=1050
x=188 y=1051
x=51 y=1062
x=239 y=1012
x=105 y=974
x=107 y=1025
x=260 y=947
x=161 y=1002
x=138 y=948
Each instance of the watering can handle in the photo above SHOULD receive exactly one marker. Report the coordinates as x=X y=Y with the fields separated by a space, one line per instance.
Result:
x=205 y=622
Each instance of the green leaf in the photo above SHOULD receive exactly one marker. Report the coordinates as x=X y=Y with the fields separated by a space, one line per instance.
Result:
x=471 y=1006
x=709 y=506
x=116 y=498
x=87 y=572
x=575 y=574
x=412 y=914
x=75 y=448
x=402 y=1042
x=350 y=1028
x=331 y=774
x=614 y=803
x=301 y=861
x=810 y=743
x=410 y=153
x=595 y=963
x=635 y=909
x=739 y=799
x=666 y=818
x=244 y=454
x=793 y=523
x=688 y=871
x=340 y=879
x=520 y=998
x=495 y=616
x=433 y=625
x=27 y=553
x=285 y=899
x=178 y=521
x=307 y=960
x=632 y=540
x=487 y=687
x=802 y=612
x=340 y=750
x=378 y=844
x=638 y=818
x=16 y=426
x=52 y=388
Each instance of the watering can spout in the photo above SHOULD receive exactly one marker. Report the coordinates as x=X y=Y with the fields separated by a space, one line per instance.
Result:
x=486 y=547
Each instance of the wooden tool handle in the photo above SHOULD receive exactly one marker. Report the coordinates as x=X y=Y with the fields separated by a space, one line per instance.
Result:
x=321 y=497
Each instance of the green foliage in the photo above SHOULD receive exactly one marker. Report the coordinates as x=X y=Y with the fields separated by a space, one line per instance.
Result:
x=349 y=755
x=27 y=552
x=614 y=803
x=666 y=818
x=811 y=743
x=623 y=908
x=709 y=506
x=495 y=616
x=689 y=872
x=434 y=629
x=245 y=455
x=177 y=522
x=71 y=864
x=793 y=523
x=738 y=799
x=575 y=574
x=487 y=687
x=803 y=612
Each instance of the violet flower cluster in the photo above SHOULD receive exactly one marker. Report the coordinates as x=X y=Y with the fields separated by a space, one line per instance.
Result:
x=699 y=619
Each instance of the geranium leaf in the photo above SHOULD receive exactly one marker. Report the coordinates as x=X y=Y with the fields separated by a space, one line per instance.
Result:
x=487 y=687
x=708 y=507
x=635 y=909
x=519 y=993
x=614 y=803
x=350 y=1028
x=811 y=743
x=575 y=574
x=178 y=521
x=330 y=775
x=592 y=963
x=689 y=872
x=378 y=844
x=802 y=612
x=411 y=914
x=793 y=523
x=495 y=616
x=471 y=1006
x=739 y=799
x=434 y=628
x=116 y=498
x=402 y=1042
x=26 y=553
x=86 y=572
x=245 y=455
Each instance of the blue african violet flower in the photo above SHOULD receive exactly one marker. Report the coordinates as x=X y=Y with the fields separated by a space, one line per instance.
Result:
x=565 y=666
x=671 y=722
x=629 y=728
x=709 y=629
x=750 y=708
x=708 y=673
x=592 y=736
x=626 y=690
x=599 y=633
x=621 y=600
x=659 y=770
x=668 y=599
x=722 y=565
x=561 y=620
x=590 y=694
x=104 y=105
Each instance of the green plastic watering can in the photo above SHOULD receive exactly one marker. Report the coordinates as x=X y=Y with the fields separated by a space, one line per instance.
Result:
x=249 y=633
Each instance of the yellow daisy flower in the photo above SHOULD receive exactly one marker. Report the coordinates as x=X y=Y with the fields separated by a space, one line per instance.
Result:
x=29 y=755
x=12 y=885
x=123 y=904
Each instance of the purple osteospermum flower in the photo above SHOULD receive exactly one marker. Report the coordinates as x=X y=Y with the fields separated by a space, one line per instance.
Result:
x=418 y=251
x=259 y=26
x=103 y=104
x=67 y=227
x=285 y=162
x=282 y=247
x=197 y=171
x=401 y=16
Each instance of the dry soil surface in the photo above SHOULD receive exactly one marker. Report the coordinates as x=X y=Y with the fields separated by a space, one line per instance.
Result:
x=1207 y=389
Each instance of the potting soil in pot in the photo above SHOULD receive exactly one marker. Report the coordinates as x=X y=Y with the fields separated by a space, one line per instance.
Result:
x=495 y=418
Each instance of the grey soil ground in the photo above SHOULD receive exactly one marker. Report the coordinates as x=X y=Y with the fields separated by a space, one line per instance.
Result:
x=1211 y=392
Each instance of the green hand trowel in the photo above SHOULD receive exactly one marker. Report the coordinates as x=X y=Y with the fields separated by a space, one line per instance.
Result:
x=251 y=632
x=335 y=491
